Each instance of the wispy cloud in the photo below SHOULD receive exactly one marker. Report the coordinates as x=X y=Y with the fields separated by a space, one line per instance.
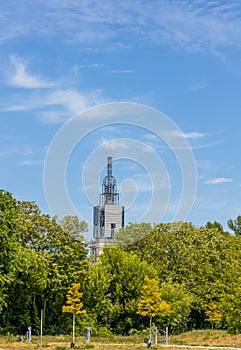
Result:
x=188 y=135
x=77 y=68
x=20 y=77
x=10 y=149
x=55 y=106
x=190 y=26
x=31 y=162
x=218 y=180
x=115 y=144
x=121 y=71
x=126 y=144
x=198 y=85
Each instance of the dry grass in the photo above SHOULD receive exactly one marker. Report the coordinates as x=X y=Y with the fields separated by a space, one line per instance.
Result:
x=205 y=338
x=194 y=338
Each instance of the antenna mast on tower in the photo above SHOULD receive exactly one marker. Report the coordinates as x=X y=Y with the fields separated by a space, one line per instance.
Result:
x=109 y=195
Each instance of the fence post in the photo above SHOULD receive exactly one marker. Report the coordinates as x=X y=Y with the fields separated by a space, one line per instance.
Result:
x=166 y=335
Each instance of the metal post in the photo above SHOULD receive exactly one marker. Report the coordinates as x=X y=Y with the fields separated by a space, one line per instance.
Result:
x=237 y=338
x=30 y=334
x=156 y=335
x=150 y=332
x=73 y=335
x=166 y=335
x=88 y=334
x=41 y=329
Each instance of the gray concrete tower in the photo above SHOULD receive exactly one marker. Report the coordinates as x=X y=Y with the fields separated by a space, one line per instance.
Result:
x=108 y=216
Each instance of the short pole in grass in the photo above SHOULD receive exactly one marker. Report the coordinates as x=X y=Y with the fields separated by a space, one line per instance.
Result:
x=41 y=329
x=237 y=338
x=156 y=335
x=166 y=334
x=87 y=335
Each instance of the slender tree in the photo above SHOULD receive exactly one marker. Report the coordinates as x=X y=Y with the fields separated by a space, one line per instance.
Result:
x=213 y=314
x=150 y=303
x=74 y=305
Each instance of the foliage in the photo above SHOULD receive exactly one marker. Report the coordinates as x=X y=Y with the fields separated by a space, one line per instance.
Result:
x=235 y=225
x=180 y=300
x=213 y=314
x=230 y=295
x=38 y=261
x=73 y=304
x=150 y=302
x=113 y=287
x=214 y=225
x=10 y=248
x=184 y=254
x=73 y=226
x=197 y=271
x=132 y=233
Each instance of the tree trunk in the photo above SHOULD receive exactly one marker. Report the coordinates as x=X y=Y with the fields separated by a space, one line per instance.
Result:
x=73 y=335
x=150 y=328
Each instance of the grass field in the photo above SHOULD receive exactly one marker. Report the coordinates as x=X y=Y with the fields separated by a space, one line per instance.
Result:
x=195 y=338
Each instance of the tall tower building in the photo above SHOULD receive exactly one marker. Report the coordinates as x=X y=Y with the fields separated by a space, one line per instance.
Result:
x=108 y=216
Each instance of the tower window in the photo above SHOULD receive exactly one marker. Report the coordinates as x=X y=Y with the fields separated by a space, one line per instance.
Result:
x=113 y=228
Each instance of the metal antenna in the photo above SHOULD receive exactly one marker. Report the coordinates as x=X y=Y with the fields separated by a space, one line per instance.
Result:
x=109 y=195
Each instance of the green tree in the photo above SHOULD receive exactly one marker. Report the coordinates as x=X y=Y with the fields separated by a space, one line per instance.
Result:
x=184 y=254
x=47 y=260
x=150 y=302
x=235 y=225
x=9 y=251
x=112 y=288
x=132 y=233
x=73 y=226
x=74 y=304
x=215 y=225
x=97 y=294
x=230 y=298
x=231 y=307
x=180 y=299
x=39 y=259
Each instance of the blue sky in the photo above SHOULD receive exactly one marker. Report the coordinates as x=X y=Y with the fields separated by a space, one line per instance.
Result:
x=62 y=58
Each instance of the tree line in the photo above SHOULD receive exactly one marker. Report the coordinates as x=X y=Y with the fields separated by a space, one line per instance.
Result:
x=194 y=271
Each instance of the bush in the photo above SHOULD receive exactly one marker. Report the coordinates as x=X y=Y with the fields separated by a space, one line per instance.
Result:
x=103 y=332
x=133 y=331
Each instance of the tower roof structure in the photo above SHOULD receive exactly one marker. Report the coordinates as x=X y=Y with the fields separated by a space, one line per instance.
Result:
x=109 y=195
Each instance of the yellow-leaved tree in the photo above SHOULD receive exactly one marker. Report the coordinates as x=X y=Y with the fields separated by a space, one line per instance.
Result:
x=213 y=314
x=74 y=305
x=150 y=302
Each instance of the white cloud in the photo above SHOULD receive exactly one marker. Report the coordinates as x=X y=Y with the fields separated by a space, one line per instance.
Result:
x=73 y=101
x=186 y=25
x=128 y=145
x=55 y=106
x=50 y=117
x=115 y=145
x=121 y=71
x=198 y=85
x=30 y=162
x=21 y=78
x=188 y=135
x=218 y=180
